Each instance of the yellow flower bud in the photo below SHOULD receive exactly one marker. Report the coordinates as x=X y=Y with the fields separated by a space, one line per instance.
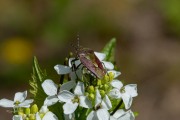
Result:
x=34 y=109
x=99 y=82
x=111 y=76
x=106 y=79
x=106 y=87
x=20 y=113
x=91 y=89
x=27 y=111
x=32 y=117
x=102 y=92
x=91 y=96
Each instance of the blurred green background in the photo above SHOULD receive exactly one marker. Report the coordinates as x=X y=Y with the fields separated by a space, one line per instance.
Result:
x=147 y=50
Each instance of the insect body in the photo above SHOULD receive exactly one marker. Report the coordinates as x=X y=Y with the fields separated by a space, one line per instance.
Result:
x=91 y=61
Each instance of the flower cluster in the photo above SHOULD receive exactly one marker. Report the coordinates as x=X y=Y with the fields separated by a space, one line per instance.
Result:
x=81 y=94
x=23 y=111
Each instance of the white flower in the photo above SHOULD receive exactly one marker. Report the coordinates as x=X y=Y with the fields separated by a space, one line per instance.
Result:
x=51 y=89
x=19 y=101
x=126 y=93
x=17 y=117
x=48 y=115
x=101 y=108
x=73 y=100
x=122 y=115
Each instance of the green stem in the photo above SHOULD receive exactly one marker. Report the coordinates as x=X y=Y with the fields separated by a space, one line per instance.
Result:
x=117 y=107
x=82 y=114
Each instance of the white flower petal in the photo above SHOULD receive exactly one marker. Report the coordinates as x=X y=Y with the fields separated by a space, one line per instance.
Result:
x=116 y=73
x=118 y=113
x=78 y=73
x=50 y=116
x=6 y=103
x=51 y=100
x=79 y=90
x=68 y=85
x=127 y=116
x=112 y=118
x=76 y=62
x=127 y=99
x=17 y=117
x=117 y=84
x=92 y=116
x=98 y=98
x=85 y=102
x=44 y=109
x=49 y=87
x=131 y=89
x=61 y=69
x=65 y=96
x=106 y=103
x=115 y=93
x=20 y=96
x=108 y=65
x=69 y=107
x=26 y=103
x=101 y=56
x=38 y=116
x=103 y=114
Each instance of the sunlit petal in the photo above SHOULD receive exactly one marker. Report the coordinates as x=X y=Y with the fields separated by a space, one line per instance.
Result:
x=65 y=96
x=6 y=103
x=117 y=84
x=51 y=100
x=103 y=114
x=108 y=65
x=69 y=107
x=49 y=87
x=131 y=89
x=61 y=69
x=85 y=102
x=101 y=56
x=79 y=90
x=50 y=116
x=20 y=96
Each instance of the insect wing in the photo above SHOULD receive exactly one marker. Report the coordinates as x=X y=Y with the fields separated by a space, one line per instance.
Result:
x=92 y=63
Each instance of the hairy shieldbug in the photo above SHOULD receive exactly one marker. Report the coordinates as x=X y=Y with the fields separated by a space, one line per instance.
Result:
x=90 y=61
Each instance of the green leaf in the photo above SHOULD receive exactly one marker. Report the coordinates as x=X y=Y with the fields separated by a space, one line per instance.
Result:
x=109 y=50
x=37 y=79
x=38 y=93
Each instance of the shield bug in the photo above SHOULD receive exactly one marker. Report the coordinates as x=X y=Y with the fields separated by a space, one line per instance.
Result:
x=90 y=61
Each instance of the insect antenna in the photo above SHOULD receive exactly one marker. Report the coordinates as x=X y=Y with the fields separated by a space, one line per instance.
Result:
x=78 y=40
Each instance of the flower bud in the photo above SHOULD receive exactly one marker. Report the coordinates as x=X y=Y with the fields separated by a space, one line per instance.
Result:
x=91 y=96
x=20 y=113
x=32 y=117
x=102 y=92
x=26 y=118
x=105 y=87
x=27 y=111
x=111 y=76
x=106 y=79
x=91 y=89
x=34 y=109
x=98 y=82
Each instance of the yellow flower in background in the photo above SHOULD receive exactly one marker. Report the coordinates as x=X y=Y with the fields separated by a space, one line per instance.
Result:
x=17 y=50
